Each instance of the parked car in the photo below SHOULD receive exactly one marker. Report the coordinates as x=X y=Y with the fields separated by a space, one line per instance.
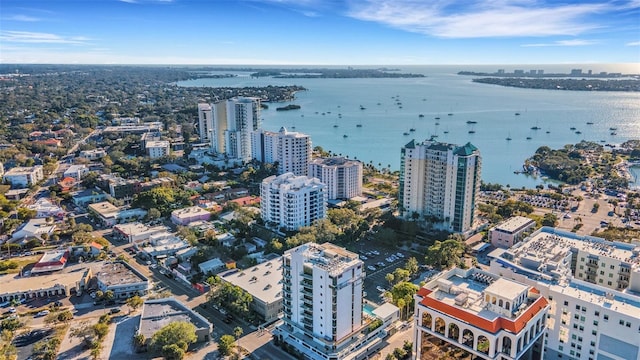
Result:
x=371 y=267
x=114 y=311
x=42 y=313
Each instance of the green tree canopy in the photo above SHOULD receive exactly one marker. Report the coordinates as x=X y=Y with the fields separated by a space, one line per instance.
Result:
x=181 y=333
x=226 y=344
x=445 y=253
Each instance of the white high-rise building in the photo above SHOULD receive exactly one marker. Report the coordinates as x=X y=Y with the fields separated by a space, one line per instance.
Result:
x=291 y=150
x=212 y=124
x=292 y=201
x=322 y=299
x=441 y=182
x=342 y=176
x=205 y=122
x=243 y=118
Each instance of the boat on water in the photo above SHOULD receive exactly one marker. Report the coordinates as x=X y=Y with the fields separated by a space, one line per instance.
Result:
x=412 y=129
x=359 y=125
x=589 y=123
x=508 y=139
x=471 y=122
x=437 y=118
x=517 y=114
x=450 y=114
x=472 y=131
x=614 y=133
x=362 y=107
x=528 y=137
x=572 y=128
x=535 y=128
x=446 y=131
x=345 y=136
x=548 y=132
x=437 y=123
x=323 y=114
x=405 y=134
x=613 y=128
x=421 y=115
x=335 y=126
x=578 y=132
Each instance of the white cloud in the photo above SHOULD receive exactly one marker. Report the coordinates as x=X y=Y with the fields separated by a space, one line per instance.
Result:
x=633 y=43
x=25 y=18
x=576 y=42
x=40 y=38
x=476 y=18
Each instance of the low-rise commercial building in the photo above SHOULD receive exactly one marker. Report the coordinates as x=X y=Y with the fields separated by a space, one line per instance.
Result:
x=53 y=260
x=158 y=149
x=76 y=171
x=43 y=286
x=510 y=231
x=188 y=215
x=159 y=313
x=264 y=283
x=137 y=232
x=122 y=279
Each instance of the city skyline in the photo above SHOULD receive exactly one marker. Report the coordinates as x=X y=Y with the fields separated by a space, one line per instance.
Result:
x=314 y=32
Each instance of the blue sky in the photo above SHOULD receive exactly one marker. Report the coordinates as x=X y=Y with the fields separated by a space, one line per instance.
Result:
x=320 y=32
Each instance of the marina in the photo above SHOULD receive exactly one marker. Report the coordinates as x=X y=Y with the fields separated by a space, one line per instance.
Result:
x=488 y=108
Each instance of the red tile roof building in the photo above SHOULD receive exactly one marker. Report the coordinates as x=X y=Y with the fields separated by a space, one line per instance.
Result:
x=482 y=314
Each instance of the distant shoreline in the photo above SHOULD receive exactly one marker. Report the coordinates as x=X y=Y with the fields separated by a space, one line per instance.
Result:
x=565 y=84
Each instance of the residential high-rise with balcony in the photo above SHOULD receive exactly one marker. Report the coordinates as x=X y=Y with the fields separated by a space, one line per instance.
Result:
x=291 y=150
x=292 y=201
x=440 y=182
x=322 y=300
x=205 y=122
x=342 y=176
x=243 y=118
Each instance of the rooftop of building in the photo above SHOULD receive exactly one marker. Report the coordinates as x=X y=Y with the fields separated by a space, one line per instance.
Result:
x=159 y=313
x=134 y=229
x=293 y=181
x=549 y=246
x=118 y=273
x=621 y=302
x=21 y=170
x=69 y=276
x=157 y=144
x=204 y=106
x=189 y=211
x=51 y=261
x=263 y=281
x=513 y=223
x=459 y=294
x=328 y=256
x=104 y=208
x=335 y=161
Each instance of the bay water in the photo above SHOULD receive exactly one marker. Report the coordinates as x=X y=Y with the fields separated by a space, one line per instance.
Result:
x=370 y=119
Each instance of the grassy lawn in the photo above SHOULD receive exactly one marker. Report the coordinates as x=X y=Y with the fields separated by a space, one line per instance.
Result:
x=21 y=261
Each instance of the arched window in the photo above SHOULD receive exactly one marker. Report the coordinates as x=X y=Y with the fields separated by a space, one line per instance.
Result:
x=454 y=331
x=487 y=298
x=439 y=326
x=506 y=345
x=483 y=344
x=500 y=302
x=467 y=338
x=507 y=306
x=426 y=320
x=493 y=300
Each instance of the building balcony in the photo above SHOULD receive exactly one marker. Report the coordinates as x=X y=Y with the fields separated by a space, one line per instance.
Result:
x=592 y=264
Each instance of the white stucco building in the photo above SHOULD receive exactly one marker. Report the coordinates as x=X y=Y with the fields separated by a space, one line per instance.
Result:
x=481 y=314
x=292 y=201
x=158 y=148
x=22 y=177
x=291 y=150
x=342 y=176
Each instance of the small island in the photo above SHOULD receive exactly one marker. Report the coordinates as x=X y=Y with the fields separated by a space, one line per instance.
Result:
x=288 y=107
x=326 y=73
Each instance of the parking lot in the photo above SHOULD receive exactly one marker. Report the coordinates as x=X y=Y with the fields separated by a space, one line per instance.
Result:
x=378 y=262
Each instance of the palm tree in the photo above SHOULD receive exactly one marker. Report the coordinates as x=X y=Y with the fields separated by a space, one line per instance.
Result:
x=237 y=332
